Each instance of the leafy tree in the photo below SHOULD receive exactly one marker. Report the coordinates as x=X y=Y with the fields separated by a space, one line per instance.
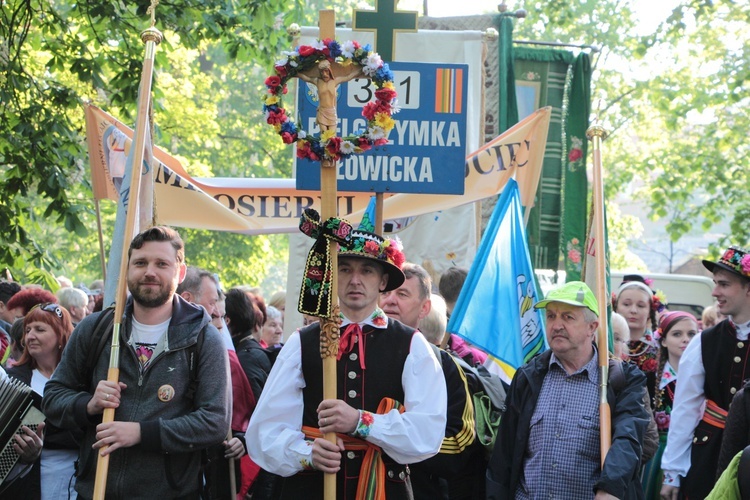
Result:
x=675 y=103
x=54 y=56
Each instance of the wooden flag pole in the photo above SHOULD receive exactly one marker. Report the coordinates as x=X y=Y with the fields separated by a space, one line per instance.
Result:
x=596 y=134
x=378 y=222
x=328 y=188
x=151 y=37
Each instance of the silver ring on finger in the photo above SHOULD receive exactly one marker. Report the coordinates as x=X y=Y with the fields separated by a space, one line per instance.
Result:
x=106 y=398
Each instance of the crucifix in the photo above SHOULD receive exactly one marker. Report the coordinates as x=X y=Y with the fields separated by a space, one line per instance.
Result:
x=326 y=77
x=389 y=20
x=327 y=83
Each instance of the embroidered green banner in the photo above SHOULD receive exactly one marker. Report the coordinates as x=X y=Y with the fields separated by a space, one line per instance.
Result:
x=557 y=78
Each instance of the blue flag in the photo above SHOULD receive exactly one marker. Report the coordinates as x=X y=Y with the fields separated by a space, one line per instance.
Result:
x=368 y=218
x=495 y=310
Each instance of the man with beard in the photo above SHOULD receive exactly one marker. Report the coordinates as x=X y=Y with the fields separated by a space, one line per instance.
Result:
x=173 y=397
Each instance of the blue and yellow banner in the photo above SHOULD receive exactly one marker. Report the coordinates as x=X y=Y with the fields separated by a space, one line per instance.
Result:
x=495 y=310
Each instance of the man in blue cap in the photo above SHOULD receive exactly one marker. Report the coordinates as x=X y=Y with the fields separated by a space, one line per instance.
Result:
x=548 y=443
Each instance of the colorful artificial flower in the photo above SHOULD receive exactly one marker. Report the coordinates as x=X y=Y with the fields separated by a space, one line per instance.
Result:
x=378 y=112
x=372 y=248
x=745 y=263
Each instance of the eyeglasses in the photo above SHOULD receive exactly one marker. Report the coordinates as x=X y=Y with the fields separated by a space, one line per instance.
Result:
x=50 y=307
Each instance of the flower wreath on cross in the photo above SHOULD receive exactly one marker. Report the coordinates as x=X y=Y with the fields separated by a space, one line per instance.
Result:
x=378 y=112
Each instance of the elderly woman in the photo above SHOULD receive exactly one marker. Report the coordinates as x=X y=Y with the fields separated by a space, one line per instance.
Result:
x=46 y=330
x=270 y=335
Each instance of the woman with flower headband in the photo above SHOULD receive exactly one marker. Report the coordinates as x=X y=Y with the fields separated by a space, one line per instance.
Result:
x=635 y=301
x=676 y=330
x=47 y=328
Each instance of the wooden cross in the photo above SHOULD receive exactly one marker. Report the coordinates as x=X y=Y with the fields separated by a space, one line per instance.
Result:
x=327 y=76
x=388 y=20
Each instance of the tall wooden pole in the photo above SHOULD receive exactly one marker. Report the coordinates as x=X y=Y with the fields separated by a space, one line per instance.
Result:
x=328 y=188
x=151 y=37
x=378 y=222
x=596 y=135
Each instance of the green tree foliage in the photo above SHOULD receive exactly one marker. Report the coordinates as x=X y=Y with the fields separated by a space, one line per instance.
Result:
x=675 y=101
x=55 y=56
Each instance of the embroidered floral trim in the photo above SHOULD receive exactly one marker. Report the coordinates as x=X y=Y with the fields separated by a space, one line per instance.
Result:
x=670 y=479
x=366 y=419
x=574 y=253
x=575 y=155
x=378 y=318
x=372 y=245
x=738 y=259
x=306 y=462
x=668 y=375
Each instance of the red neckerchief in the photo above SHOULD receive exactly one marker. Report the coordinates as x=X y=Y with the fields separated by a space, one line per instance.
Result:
x=352 y=335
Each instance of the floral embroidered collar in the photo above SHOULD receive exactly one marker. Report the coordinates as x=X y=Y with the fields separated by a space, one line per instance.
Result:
x=668 y=375
x=377 y=319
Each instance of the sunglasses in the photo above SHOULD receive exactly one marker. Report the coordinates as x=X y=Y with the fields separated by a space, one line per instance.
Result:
x=50 y=307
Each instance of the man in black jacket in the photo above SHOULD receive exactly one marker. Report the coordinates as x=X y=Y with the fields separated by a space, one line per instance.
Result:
x=548 y=442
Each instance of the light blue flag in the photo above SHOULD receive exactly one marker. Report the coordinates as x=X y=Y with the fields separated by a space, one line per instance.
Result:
x=368 y=218
x=144 y=207
x=495 y=310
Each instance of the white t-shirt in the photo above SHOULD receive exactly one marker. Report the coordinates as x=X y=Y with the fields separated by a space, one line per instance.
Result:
x=145 y=339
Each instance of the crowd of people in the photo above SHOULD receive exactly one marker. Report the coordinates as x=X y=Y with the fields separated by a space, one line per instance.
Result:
x=211 y=401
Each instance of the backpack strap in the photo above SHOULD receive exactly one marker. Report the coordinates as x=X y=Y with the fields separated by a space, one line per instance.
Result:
x=193 y=352
x=102 y=333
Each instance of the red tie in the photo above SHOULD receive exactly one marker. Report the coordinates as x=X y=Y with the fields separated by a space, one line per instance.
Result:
x=352 y=331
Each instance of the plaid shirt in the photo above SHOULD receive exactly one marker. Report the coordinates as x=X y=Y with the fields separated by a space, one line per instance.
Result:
x=562 y=456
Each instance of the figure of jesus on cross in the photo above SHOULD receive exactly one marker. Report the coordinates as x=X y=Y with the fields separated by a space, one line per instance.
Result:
x=327 y=84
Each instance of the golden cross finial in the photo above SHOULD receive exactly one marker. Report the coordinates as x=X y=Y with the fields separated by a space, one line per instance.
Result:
x=152 y=11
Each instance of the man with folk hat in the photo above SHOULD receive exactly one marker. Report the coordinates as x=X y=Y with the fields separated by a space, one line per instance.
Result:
x=712 y=370
x=548 y=441
x=391 y=394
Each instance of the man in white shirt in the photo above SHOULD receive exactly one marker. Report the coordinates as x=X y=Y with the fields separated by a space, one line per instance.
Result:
x=382 y=366
x=712 y=370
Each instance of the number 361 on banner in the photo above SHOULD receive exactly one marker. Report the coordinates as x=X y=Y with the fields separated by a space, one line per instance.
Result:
x=427 y=148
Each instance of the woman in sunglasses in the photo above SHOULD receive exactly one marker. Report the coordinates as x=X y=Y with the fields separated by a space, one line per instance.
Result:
x=46 y=330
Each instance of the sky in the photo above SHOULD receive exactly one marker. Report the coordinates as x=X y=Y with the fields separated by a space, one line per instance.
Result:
x=653 y=11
